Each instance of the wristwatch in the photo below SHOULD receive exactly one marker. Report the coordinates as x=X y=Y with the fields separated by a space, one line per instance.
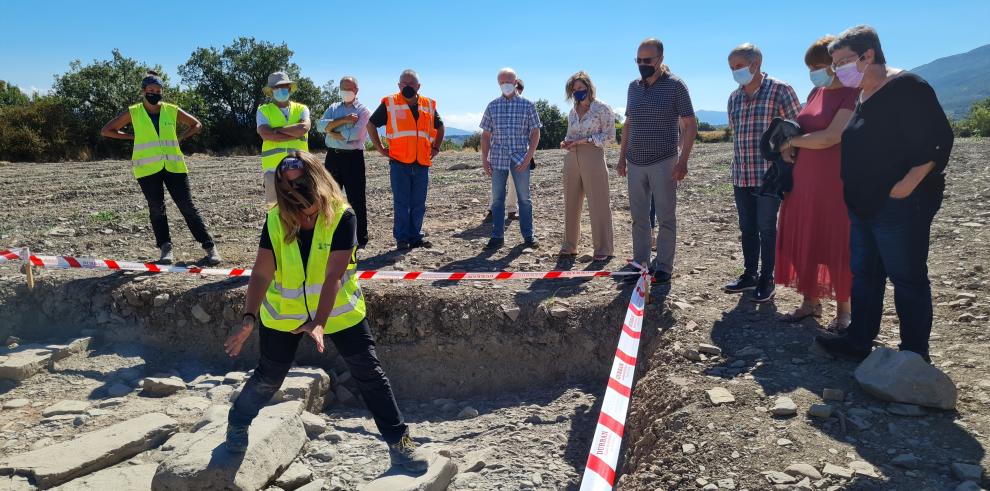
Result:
x=254 y=318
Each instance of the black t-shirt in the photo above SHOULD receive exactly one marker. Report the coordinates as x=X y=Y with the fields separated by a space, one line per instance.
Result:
x=155 y=118
x=900 y=127
x=380 y=116
x=344 y=237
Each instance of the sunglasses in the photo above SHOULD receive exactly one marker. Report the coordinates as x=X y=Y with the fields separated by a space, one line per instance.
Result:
x=645 y=61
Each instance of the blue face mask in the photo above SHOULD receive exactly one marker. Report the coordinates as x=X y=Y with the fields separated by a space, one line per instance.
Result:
x=280 y=94
x=742 y=76
x=580 y=95
x=821 y=78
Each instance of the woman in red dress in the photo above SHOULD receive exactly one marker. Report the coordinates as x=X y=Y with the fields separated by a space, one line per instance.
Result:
x=813 y=233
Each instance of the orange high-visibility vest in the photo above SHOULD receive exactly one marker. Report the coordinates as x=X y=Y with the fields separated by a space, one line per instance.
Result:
x=410 y=140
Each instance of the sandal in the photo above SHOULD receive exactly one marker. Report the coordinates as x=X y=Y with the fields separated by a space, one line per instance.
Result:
x=798 y=315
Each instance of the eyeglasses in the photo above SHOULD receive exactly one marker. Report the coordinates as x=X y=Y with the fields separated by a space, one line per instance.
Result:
x=645 y=61
x=849 y=59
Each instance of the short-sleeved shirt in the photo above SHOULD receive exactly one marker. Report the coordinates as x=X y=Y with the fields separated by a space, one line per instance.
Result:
x=344 y=237
x=653 y=112
x=899 y=127
x=510 y=120
x=749 y=118
x=380 y=117
x=261 y=120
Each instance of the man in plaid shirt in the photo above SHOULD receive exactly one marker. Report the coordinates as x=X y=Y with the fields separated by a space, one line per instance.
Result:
x=511 y=132
x=752 y=106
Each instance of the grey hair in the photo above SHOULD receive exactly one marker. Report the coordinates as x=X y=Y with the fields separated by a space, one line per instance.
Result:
x=749 y=51
x=653 y=43
x=859 y=39
x=410 y=72
x=348 y=77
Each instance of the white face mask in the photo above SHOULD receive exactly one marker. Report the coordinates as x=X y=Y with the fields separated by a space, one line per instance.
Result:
x=348 y=95
x=508 y=90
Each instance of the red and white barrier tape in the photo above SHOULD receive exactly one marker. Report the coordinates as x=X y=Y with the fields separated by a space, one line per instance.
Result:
x=603 y=458
x=9 y=255
x=67 y=262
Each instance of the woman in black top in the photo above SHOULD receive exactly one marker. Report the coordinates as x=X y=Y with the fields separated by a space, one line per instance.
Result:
x=894 y=153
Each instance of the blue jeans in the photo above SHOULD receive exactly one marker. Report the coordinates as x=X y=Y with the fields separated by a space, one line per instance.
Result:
x=409 y=185
x=893 y=244
x=758 y=228
x=500 y=179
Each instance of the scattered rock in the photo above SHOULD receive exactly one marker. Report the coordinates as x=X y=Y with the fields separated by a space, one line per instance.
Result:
x=213 y=414
x=220 y=394
x=823 y=411
x=720 y=395
x=314 y=425
x=806 y=470
x=65 y=407
x=295 y=476
x=836 y=471
x=907 y=461
x=774 y=477
x=200 y=314
x=333 y=436
x=124 y=476
x=74 y=346
x=903 y=376
x=967 y=472
x=688 y=448
x=201 y=461
x=316 y=485
x=784 y=406
x=23 y=361
x=62 y=462
x=709 y=349
x=726 y=483
x=511 y=311
x=235 y=378
x=161 y=299
x=906 y=409
x=324 y=454
x=833 y=395
x=16 y=403
x=306 y=384
x=476 y=460
x=863 y=469
x=437 y=478
x=187 y=406
x=162 y=386
x=119 y=390
x=468 y=413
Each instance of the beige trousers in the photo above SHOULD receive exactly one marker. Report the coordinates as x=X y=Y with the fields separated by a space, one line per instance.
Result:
x=585 y=175
x=270 y=188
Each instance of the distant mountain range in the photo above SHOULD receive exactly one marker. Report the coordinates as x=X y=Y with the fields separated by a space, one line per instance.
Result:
x=715 y=118
x=959 y=80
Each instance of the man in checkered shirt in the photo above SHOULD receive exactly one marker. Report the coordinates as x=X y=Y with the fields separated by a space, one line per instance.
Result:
x=511 y=132
x=752 y=106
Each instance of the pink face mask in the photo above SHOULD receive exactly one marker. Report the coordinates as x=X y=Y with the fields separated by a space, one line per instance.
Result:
x=849 y=75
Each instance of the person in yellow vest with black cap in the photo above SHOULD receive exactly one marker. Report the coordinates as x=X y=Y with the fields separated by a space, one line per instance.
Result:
x=304 y=283
x=158 y=164
x=283 y=126
x=414 y=131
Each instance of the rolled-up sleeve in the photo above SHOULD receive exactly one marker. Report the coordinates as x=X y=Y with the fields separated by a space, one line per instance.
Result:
x=927 y=133
x=359 y=130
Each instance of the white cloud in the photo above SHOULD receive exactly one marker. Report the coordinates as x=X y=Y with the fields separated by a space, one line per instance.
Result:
x=462 y=121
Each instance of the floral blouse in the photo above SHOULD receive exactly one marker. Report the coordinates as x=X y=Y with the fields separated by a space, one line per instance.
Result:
x=598 y=125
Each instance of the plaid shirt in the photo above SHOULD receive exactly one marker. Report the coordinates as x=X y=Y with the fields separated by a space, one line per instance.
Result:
x=510 y=121
x=749 y=117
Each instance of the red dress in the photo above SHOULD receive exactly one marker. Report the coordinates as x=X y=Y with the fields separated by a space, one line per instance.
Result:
x=813 y=232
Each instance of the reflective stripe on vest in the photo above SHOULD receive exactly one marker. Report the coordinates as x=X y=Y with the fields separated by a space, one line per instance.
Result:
x=155 y=150
x=273 y=152
x=294 y=294
x=410 y=140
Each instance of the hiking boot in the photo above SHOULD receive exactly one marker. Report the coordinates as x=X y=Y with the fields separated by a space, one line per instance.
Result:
x=404 y=453
x=512 y=216
x=494 y=244
x=765 y=290
x=743 y=283
x=402 y=246
x=842 y=346
x=531 y=243
x=629 y=278
x=166 y=256
x=237 y=438
x=488 y=217
x=425 y=244
x=212 y=257
x=661 y=278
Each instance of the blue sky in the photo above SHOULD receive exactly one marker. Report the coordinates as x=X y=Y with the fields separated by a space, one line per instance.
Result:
x=457 y=47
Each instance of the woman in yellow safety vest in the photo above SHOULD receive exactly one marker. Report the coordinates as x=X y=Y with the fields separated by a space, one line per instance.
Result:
x=158 y=164
x=304 y=283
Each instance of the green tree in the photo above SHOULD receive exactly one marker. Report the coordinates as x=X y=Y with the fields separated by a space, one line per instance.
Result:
x=474 y=141
x=11 y=95
x=328 y=94
x=979 y=118
x=45 y=129
x=230 y=81
x=554 y=125
x=99 y=91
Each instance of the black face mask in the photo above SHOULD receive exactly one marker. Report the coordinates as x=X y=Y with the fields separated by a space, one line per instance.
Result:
x=153 y=98
x=647 y=71
x=408 y=92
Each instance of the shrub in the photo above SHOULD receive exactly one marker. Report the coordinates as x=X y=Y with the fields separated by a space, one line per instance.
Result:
x=473 y=141
x=43 y=130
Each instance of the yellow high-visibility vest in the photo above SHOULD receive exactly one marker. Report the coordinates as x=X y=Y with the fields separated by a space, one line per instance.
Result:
x=273 y=152
x=294 y=294
x=156 y=150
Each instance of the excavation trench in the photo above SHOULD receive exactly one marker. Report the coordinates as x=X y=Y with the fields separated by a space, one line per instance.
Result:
x=434 y=339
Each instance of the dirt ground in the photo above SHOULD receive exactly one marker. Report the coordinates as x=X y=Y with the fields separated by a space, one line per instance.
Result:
x=96 y=209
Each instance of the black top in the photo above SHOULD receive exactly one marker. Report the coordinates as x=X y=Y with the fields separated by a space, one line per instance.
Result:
x=155 y=118
x=380 y=116
x=344 y=237
x=900 y=127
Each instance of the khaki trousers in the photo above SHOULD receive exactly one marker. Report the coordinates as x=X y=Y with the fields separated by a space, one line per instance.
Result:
x=270 y=197
x=585 y=175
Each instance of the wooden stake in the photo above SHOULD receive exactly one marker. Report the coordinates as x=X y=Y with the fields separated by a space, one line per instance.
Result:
x=28 y=269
